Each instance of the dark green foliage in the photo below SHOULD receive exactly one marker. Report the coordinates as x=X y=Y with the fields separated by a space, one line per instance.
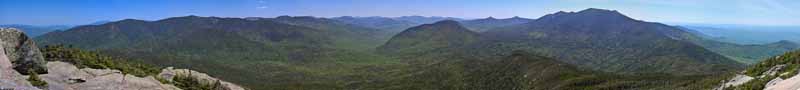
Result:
x=88 y=59
x=790 y=70
x=525 y=71
x=187 y=82
x=790 y=59
x=34 y=79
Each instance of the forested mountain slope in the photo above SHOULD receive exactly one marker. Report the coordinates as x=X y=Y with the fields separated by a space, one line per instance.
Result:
x=426 y=37
x=608 y=41
x=268 y=53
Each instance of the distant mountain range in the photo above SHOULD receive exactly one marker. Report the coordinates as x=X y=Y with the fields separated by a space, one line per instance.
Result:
x=424 y=19
x=588 y=49
x=33 y=31
x=37 y=30
x=397 y=24
x=745 y=34
x=482 y=25
x=744 y=53
x=393 y=25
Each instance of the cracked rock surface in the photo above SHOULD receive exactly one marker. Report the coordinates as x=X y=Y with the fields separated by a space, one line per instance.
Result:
x=65 y=76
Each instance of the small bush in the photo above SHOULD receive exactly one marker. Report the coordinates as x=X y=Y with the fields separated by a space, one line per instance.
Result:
x=35 y=80
x=187 y=82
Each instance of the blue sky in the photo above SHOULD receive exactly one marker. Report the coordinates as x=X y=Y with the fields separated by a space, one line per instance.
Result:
x=71 y=12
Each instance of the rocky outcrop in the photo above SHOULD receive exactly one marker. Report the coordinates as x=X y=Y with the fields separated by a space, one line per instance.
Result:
x=739 y=79
x=21 y=51
x=772 y=71
x=9 y=78
x=778 y=73
x=773 y=82
x=792 y=83
x=170 y=73
x=65 y=76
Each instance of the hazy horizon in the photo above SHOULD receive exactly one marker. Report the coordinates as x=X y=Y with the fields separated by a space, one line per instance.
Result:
x=77 y=12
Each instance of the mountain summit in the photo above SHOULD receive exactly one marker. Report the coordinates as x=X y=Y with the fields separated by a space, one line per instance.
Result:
x=591 y=15
x=446 y=33
x=446 y=23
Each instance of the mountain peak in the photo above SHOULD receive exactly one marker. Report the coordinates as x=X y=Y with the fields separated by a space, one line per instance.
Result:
x=450 y=24
x=490 y=18
x=192 y=16
x=516 y=17
x=785 y=41
x=185 y=17
x=598 y=10
x=441 y=34
x=591 y=15
x=284 y=16
x=595 y=11
x=130 y=21
x=295 y=17
x=346 y=17
x=447 y=22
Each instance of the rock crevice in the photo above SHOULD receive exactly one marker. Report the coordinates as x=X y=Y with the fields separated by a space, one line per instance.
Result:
x=9 y=78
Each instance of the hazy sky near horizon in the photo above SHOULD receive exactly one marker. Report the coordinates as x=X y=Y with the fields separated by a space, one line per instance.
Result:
x=72 y=12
